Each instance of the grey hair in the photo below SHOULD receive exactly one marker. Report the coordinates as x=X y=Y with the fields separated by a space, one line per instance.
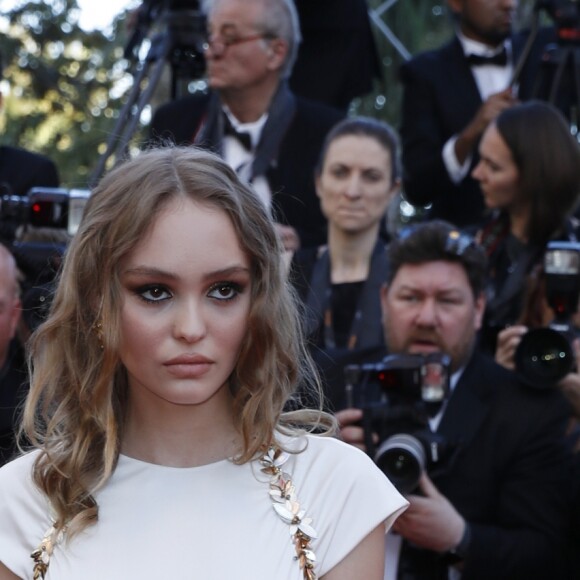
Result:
x=279 y=19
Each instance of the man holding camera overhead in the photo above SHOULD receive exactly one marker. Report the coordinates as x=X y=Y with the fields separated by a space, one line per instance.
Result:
x=497 y=507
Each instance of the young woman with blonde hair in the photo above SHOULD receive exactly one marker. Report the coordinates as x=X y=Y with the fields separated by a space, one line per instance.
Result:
x=159 y=380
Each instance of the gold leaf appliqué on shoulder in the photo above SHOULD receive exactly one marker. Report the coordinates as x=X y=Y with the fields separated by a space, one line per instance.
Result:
x=286 y=504
x=41 y=556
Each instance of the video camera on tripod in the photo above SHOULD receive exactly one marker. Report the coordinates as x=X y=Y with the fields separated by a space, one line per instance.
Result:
x=398 y=396
x=44 y=219
x=558 y=79
x=545 y=355
x=180 y=41
x=566 y=16
x=179 y=44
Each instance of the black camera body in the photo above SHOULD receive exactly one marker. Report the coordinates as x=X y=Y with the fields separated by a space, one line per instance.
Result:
x=566 y=16
x=398 y=396
x=545 y=355
x=48 y=207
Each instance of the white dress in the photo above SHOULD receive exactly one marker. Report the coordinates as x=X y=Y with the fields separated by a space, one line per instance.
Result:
x=214 y=522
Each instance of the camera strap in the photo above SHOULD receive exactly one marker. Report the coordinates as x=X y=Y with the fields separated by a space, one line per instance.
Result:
x=366 y=327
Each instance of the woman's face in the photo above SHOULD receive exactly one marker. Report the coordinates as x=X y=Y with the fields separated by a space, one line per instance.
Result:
x=355 y=184
x=186 y=297
x=497 y=172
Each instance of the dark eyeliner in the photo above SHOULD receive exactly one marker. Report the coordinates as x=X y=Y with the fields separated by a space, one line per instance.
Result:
x=142 y=290
x=233 y=286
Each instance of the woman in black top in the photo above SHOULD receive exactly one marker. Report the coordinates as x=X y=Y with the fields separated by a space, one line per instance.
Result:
x=529 y=175
x=357 y=177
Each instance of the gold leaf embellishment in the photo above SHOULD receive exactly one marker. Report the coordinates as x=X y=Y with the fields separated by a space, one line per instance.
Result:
x=42 y=554
x=287 y=506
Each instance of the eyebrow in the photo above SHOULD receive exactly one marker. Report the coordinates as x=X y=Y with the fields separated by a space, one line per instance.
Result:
x=152 y=272
x=420 y=290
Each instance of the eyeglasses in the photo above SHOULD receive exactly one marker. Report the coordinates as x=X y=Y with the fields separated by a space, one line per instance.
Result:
x=219 y=47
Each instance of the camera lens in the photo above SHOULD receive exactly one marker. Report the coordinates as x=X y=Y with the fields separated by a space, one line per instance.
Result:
x=402 y=459
x=543 y=357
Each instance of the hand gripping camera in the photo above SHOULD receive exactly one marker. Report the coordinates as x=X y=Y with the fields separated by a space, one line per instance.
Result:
x=545 y=355
x=398 y=396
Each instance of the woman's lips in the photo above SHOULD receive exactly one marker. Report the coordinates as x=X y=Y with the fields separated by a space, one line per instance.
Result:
x=188 y=366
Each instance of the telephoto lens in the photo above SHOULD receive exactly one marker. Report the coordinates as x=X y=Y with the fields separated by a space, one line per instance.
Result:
x=544 y=357
x=402 y=459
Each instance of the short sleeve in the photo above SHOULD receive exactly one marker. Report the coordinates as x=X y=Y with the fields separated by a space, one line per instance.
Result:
x=345 y=494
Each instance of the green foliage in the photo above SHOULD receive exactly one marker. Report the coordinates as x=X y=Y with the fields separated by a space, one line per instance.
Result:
x=64 y=85
x=419 y=25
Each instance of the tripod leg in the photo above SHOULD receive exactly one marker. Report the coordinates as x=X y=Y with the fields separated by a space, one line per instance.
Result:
x=122 y=146
x=576 y=84
x=557 y=82
x=138 y=99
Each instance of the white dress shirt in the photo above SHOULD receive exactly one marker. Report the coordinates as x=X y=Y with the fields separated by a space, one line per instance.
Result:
x=240 y=159
x=489 y=79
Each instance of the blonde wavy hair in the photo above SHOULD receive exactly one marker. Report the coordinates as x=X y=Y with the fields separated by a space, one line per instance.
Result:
x=75 y=410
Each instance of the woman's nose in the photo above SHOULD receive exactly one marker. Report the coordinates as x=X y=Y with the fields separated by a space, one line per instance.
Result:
x=353 y=186
x=477 y=172
x=189 y=323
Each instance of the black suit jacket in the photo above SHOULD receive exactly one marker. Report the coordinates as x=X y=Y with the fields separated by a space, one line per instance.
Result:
x=290 y=176
x=510 y=478
x=440 y=98
x=337 y=58
x=22 y=170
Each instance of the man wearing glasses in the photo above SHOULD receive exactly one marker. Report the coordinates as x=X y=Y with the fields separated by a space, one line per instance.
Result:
x=268 y=135
x=496 y=505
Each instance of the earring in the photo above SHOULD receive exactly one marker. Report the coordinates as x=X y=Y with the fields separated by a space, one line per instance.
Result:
x=98 y=327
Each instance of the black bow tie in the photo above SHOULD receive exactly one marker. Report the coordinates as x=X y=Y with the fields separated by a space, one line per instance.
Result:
x=499 y=59
x=243 y=137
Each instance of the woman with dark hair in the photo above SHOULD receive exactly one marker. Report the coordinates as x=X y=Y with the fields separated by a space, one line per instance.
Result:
x=357 y=176
x=529 y=175
x=155 y=413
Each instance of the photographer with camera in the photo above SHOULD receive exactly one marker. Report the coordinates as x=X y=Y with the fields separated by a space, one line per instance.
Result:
x=508 y=342
x=544 y=347
x=497 y=506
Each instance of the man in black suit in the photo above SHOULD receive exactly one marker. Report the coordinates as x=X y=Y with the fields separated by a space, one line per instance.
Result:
x=450 y=96
x=338 y=58
x=497 y=506
x=268 y=135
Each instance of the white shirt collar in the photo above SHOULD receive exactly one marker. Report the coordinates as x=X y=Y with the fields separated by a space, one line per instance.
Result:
x=254 y=129
x=471 y=46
